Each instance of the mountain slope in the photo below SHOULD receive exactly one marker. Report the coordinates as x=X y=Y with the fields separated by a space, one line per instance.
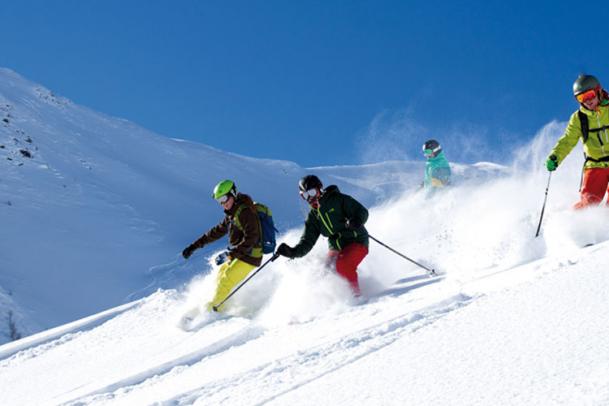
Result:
x=89 y=204
x=511 y=319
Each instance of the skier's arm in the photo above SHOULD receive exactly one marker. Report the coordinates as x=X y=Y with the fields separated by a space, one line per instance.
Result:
x=569 y=139
x=309 y=237
x=355 y=212
x=213 y=234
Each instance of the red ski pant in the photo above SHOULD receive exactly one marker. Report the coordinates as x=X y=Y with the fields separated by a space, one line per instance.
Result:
x=594 y=186
x=347 y=260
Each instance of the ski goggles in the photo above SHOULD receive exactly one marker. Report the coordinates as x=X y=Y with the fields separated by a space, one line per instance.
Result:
x=430 y=152
x=586 y=96
x=223 y=199
x=309 y=195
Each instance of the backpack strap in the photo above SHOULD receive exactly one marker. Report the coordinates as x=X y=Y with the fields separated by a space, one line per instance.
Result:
x=601 y=159
x=237 y=222
x=586 y=130
x=583 y=119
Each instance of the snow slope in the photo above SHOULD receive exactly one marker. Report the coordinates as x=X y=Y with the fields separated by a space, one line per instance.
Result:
x=98 y=201
x=512 y=319
x=94 y=208
x=532 y=334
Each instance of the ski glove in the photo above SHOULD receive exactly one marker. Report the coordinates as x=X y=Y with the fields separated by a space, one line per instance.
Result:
x=285 y=250
x=352 y=224
x=188 y=251
x=222 y=258
x=552 y=163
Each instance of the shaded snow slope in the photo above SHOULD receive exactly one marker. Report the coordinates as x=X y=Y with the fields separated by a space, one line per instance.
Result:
x=97 y=200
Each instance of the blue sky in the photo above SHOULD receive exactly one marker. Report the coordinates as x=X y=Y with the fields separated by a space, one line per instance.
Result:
x=317 y=82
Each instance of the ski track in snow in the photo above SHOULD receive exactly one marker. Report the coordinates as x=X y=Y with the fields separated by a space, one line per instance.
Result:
x=225 y=343
x=167 y=357
x=35 y=345
x=272 y=378
x=279 y=374
x=292 y=372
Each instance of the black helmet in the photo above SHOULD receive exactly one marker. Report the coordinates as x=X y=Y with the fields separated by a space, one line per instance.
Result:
x=431 y=148
x=583 y=83
x=309 y=182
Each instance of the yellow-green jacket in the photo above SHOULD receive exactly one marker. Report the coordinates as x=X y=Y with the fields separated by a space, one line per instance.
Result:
x=597 y=145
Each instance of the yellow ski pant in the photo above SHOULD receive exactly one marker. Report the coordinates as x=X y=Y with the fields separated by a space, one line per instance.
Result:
x=230 y=274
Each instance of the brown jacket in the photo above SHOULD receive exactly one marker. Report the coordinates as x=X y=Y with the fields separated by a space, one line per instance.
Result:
x=245 y=242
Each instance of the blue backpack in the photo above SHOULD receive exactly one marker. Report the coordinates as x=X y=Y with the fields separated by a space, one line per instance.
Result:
x=267 y=227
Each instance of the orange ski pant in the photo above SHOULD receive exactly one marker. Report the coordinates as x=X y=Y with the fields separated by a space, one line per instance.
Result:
x=594 y=186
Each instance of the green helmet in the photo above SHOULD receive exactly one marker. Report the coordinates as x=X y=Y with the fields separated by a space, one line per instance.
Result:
x=583 y=83
x=225 y=187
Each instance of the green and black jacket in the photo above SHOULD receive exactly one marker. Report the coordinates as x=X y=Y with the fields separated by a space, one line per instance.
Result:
x=329 y=220
x=242 y=224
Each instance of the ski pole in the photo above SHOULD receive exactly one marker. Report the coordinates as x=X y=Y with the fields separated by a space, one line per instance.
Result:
x=430 y=271
x=271 y=259
x=543 y=208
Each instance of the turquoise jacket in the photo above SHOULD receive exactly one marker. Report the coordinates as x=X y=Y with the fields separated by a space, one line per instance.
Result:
x=437 y=172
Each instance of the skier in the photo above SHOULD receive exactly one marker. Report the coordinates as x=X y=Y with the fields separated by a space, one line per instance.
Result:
x=339 y=217
x=437 y=168
x=242 y=224
x=590 y=123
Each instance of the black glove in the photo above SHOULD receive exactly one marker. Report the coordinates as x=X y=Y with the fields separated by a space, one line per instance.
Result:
x=222 y=257
x=352 y=224
x=188 y=251
x=285 y=250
